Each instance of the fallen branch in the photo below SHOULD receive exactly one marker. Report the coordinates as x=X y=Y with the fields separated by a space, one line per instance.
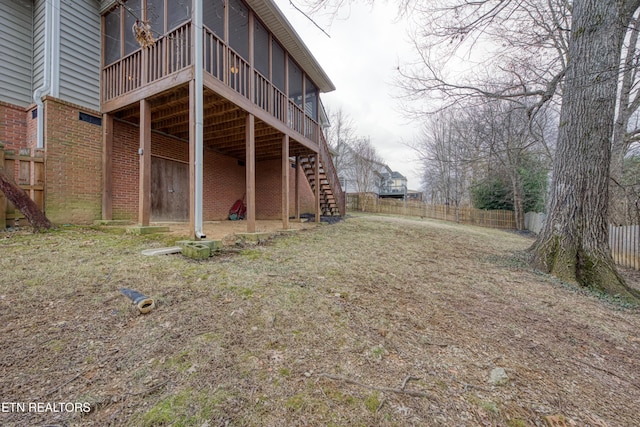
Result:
x=402 y=390
x=23 y=202
x=78 y=375
x=606 y=371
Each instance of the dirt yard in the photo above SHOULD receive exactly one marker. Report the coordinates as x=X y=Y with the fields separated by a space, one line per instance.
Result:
x=374 y=321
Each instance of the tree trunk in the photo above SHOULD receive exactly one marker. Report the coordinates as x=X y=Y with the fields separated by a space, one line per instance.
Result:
x=23 y=202
x=518 y=206
x=574 y=242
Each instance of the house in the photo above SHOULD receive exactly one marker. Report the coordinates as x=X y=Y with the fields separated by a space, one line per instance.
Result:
x=392 y=184
x=156 y=110
x=373 y=177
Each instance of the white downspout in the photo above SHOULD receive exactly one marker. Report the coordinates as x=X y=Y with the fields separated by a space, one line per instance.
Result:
x=46 y=78
x=199 y=125
x=55 y=50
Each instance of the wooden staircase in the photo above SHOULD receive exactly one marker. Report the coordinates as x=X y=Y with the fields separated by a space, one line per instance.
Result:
x=332 y=199
x=328 y=202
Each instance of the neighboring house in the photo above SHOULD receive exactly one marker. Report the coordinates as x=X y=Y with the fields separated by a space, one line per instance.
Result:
x=223 y=101
x=392 y=185
x=414 y=195
x=384 y=182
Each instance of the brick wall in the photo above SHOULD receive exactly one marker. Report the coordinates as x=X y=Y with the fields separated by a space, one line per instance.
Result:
x=269 y=191
x=224 y=183
x=223 y=178
x=307 y=198
x=124 y=172
x=73 y=167
x=13 y=126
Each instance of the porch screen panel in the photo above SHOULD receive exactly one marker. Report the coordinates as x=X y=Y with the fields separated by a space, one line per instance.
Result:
x=156 y=60
x=239 y=41
x=295 y=83
x=278 y=80
x=239 y=28
x=178 y=11
x=296 y=115
x=311 y=99
x=261 y=49
x=261 y=64
x=213 y=16
x=277 y=66
x=132 y=11
x=112 y=36
x=155 y=17
x=213 y=19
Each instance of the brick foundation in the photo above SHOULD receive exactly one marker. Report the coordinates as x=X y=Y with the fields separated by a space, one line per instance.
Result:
x=73 y=165
x=223 y=179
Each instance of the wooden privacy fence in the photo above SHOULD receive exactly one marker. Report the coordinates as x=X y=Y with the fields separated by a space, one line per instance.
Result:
x=27 y=169
x=463 y=215
x=624 y=241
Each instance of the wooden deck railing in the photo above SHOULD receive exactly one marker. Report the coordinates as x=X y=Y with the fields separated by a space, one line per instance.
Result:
x=174 y=52
x=169 y=54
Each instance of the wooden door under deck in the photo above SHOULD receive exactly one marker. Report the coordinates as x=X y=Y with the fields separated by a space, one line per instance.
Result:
x=169 y=190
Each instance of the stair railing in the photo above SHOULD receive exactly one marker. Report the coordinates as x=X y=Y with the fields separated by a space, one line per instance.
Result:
x=332 y=175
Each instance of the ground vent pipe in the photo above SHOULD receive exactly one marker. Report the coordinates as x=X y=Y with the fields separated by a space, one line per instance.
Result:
x=143 y=303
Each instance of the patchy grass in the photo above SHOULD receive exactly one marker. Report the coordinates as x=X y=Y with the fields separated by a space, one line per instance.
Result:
x=372 y=321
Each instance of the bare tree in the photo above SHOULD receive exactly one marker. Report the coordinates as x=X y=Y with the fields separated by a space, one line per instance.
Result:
x=573 y=244
x=447 y=156
x=364 y=171
x=339 y=137
x=507 y=130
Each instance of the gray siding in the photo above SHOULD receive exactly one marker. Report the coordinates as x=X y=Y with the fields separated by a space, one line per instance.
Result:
x=16 y=51
x=38 y=42
x=80 y=45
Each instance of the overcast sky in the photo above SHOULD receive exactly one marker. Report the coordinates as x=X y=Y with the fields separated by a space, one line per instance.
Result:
x=361 y=57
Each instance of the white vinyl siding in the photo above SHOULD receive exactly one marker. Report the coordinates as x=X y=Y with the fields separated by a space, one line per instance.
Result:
x=16 y=50
x=80 y=53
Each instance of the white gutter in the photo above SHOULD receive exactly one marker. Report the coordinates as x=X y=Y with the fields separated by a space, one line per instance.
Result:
x=199 y=125
x=51 y=60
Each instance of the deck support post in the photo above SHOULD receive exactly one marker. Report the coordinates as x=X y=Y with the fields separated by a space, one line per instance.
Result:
x=107 y=167
x=250 y=169
x=297 y=189
x=285 y=181
x=144 y=198
x=316 y=176
x=192 y=159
